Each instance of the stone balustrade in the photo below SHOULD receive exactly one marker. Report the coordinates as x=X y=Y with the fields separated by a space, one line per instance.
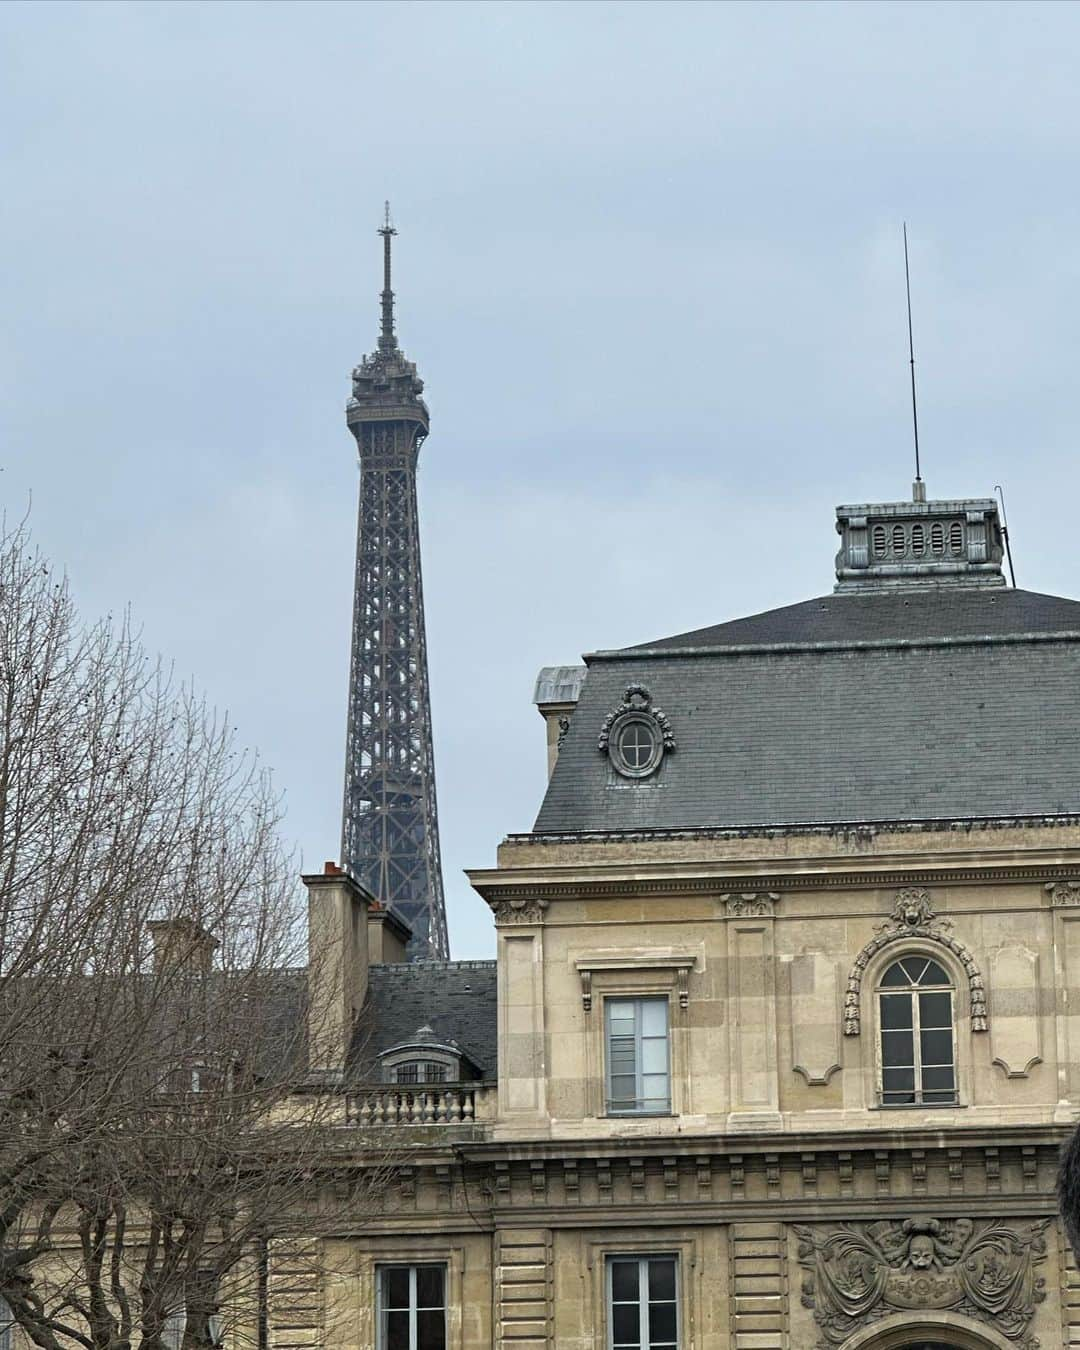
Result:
x=421 y=1104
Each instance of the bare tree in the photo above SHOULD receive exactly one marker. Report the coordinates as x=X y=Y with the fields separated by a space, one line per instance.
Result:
x=151 y=991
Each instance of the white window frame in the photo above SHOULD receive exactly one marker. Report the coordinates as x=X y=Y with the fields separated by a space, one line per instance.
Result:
x=644 y=1329
x=610 y=1108
x=412 y=1267
x=912 y=992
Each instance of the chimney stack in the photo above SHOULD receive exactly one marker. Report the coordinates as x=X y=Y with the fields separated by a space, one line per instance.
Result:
x=337 y=965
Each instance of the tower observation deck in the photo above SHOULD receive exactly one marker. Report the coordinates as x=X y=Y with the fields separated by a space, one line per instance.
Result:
x=390 y=826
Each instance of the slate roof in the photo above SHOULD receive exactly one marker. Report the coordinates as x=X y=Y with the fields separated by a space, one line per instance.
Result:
x=902 y=614
x=455 y=998
x=892 y=706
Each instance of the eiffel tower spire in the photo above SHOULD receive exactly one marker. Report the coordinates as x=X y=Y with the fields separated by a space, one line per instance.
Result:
x=390 y=827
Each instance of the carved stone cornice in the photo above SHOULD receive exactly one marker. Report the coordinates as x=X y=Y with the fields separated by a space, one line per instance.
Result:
x=497 y=887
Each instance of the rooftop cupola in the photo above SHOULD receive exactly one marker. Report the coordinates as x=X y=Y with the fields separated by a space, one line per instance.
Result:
x=922 y=544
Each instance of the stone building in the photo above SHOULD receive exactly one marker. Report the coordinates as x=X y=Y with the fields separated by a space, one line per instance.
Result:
x=782 y=1037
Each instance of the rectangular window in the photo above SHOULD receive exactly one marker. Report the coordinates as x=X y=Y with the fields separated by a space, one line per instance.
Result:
x=412 y=1307
x=643 y=1303
x=638 y=1076
x=917 y=1064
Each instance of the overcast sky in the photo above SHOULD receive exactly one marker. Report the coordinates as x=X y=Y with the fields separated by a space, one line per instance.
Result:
x=649 y=266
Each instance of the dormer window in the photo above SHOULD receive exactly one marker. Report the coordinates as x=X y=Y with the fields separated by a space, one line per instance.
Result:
x=635 y=735
x=423 y=1059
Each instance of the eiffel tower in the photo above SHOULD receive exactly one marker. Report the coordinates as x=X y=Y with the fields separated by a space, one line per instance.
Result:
x=390 y=826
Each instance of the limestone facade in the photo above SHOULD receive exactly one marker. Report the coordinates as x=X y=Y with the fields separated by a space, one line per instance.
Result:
x=798 y=1209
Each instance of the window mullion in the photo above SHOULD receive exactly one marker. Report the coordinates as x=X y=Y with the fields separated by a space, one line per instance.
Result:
x=412 y=1309
x=639 y=1055
x=644 y=1330
x=917 y=1037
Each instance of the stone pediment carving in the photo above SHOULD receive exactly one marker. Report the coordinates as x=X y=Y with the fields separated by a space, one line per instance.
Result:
x=913 y=916
x=859 y=1273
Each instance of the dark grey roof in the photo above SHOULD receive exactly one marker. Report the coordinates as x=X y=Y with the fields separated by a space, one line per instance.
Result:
x=905 y=615
x=848 y=708
x=456 y=999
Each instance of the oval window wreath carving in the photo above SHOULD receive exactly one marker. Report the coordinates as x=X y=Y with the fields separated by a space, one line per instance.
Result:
x=913 y=917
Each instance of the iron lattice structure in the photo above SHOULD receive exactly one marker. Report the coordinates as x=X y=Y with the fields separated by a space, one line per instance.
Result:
x=390 y=826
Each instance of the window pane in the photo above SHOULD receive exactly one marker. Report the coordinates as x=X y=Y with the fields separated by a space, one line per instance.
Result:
x=895 y=1010
x=397 y=1331
x=934 y=974
x=939 y=1098
x=622 y=1092
x=936 y=1047
x=624 y=1281
x=622 y=1054
x=395 y=1288
x=430 y=1331
x=898 y=1080
x=654 y=1056
x=897 y=1047
x=655 y=1092
x=895 y=976
x=654 y=1017
x=661 y=1324
x=938 y=1080
x=626 y=1324
x=429 y=1286
x=407 y=1073
x=935 y=1010
x=621 y=1017
x=661 y=1280
x=915 y=965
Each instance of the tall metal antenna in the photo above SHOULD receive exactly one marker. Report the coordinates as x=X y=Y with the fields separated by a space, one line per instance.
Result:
x=919 y=492
x=1005 y=532
x=387 y=340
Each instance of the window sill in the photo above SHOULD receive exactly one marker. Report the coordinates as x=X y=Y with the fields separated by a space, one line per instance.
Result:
x=638 y=1115
x=919 y=1106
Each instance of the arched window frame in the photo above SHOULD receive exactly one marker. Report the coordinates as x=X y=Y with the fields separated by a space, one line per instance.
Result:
x=911 y=994
x=871 y=984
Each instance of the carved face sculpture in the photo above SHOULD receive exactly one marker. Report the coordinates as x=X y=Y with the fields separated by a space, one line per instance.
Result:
x=921 y=1252
x=911 y=915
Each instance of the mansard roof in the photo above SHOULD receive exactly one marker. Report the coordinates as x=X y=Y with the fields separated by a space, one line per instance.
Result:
x=888 y=616
x=454 y=999
x=894 y=704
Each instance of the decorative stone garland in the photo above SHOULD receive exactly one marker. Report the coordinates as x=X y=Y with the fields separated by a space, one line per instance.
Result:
x=913 y=917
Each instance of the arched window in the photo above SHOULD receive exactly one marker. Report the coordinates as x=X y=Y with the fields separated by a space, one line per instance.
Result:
x=918 y=1055
x=899 y=543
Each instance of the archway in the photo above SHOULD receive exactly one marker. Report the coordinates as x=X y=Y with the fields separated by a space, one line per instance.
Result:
x=927 y=1331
